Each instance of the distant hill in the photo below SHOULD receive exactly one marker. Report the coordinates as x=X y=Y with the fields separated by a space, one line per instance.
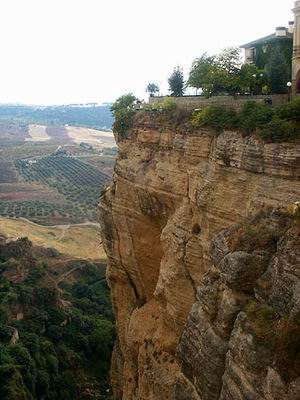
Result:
x=94 y=116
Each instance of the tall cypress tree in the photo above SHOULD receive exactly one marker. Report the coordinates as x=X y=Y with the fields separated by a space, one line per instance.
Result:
x=176 y=82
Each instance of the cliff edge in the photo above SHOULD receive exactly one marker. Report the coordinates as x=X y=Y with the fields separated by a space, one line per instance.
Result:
x=203 y=263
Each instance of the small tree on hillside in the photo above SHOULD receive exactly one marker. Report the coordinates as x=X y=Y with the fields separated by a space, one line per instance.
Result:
x=278 y=71
x=176 y=82
x=152 y=88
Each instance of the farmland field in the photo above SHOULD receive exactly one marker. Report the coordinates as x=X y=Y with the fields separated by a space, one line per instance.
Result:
x=29 y=191
x=53 y=174
x=37 y=133
x=79 y=183
x=13 y=133
x=56 y=188
x=92 y=136
x=79 y=241
x=26 y=150
x=7 y=172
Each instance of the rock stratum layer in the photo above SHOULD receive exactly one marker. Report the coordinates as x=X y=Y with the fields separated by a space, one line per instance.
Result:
x=203 y=265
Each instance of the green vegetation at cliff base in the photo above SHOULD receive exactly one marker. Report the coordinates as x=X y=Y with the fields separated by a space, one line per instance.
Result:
x=65 y=335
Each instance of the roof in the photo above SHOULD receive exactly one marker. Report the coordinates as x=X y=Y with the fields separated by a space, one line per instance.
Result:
x=266 y=39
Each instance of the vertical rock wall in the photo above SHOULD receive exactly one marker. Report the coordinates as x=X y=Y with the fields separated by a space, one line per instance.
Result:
x=179 y=292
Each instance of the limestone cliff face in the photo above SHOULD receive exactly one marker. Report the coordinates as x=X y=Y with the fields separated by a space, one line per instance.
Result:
x=187 y=291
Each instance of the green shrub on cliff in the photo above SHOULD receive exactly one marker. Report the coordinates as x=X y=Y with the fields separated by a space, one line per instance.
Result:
x=217 y=117
x=279 y=131
x=285 y=125
x=165 y=106
x=168 y=104
x=123 y=110
x=254 y=115
x=274 y=125
x=289 y=111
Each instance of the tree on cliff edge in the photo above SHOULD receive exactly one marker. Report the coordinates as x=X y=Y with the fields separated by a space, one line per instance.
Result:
x=123 y=111
x=176 y=82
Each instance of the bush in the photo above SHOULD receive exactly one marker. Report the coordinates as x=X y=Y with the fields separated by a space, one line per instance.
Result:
x=47 y=297
x=254 y=115
x=218 y=117
x=3 y=315
x=123 y=110
x=283 y=125
x=168 y=104
x=278 y=131
x=289 y=111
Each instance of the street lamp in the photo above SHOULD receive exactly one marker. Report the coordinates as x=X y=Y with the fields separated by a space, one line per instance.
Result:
x=289 y=86
x=253 y=76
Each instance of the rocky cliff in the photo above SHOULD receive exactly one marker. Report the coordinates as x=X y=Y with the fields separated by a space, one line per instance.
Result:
x=204 y=265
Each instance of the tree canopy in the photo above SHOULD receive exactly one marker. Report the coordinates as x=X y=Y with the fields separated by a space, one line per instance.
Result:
x=152 y=88
x=218 y=73
x=224 y=73
x=176 y=82
x=123 y=110
x=60 y=351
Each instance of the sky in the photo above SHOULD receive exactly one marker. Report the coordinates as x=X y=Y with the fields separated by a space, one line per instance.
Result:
x=78 y=51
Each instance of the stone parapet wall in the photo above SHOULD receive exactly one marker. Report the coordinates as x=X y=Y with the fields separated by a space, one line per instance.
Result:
x=191 y=102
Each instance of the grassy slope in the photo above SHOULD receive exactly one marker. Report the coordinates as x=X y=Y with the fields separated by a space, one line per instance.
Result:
x=82 y=241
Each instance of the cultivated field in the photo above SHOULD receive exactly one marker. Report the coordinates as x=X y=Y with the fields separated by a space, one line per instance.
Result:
x=80 y=184
x=53 y=174
x=29 y=191
x=7 y=172
x=79 y=241
x=38 y=133
x=98 y=139
x=14 y=134
x=26 y=150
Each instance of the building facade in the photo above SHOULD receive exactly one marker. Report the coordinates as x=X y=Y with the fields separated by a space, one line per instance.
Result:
x=296 y=50
x=258 y=52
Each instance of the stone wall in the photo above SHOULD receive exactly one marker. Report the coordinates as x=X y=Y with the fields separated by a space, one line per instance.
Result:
x=191 y=102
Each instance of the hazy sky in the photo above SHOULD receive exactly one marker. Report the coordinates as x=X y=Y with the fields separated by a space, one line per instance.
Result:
x=65 y=51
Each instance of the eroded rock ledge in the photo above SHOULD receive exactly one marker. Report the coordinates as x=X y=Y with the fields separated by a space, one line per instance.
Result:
x=191 y=299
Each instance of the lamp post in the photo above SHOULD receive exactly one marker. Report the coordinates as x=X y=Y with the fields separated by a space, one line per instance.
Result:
x=289 y=86
x=254 y=77
x=260 y=82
